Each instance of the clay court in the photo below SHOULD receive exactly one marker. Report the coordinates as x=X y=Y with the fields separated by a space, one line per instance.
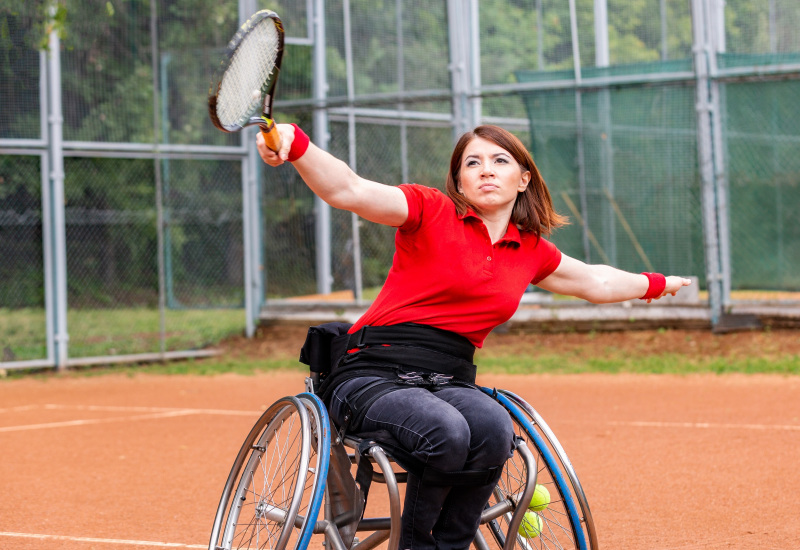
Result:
x=138 y=461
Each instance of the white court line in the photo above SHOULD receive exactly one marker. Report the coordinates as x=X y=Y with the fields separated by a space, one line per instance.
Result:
x=95 y=421
x=104 y=541
x=20 y=408
x=155 y=412
x=707 y=425
x=115 y=408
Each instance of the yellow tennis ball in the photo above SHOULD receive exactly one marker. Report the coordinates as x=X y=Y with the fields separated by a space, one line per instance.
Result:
x=540 y=499
x=531 y=525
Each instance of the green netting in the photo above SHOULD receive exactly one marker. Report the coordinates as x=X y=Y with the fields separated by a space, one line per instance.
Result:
x=634 y=200
x=762 y=142
x=731 y=60
x=622 y=162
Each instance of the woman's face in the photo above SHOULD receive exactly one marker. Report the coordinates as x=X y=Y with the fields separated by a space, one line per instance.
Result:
x=489 y=177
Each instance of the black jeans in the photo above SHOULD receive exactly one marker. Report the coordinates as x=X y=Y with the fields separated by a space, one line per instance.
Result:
x=453 y=428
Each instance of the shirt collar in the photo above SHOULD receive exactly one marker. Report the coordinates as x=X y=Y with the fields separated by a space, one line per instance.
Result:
x=512 y=234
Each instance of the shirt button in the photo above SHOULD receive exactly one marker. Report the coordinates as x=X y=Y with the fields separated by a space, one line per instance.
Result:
x=488 y=258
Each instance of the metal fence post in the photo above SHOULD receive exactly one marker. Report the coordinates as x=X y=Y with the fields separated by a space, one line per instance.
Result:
x=716 y=35
x=581 y=160
x=705 y=151
x=56 y=188
x=47 y=214
x=159 y=181
x=251 y=235
x=321 y=139
x=606 y=152
x=352 y=142
x=475 y=99
x=459 y=78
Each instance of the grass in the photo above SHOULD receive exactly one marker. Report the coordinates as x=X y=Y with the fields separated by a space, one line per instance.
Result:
x=22 y=334
x=211 y=366
x=101 y=332
x=522 y=365
x=566 y=363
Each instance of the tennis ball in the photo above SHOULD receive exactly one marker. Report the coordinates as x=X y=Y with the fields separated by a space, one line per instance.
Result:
x=531 y=525
x=540 y=499
x=256 y=94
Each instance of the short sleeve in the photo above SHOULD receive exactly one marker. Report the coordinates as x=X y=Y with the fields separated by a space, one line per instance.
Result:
x=416 y=196
x=551 y=259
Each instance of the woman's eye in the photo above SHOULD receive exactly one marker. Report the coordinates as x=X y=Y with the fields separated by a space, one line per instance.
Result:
x=502 y=160
x=472 y=162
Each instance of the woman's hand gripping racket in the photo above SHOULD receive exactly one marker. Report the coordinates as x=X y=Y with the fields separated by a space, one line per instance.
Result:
x=245 y=83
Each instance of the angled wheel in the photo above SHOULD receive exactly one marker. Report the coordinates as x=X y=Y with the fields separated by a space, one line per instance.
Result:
x=565 y=522
x=275 y=488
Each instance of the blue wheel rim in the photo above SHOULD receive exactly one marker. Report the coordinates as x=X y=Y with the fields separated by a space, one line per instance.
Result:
x=322 y=474
x=550 y=461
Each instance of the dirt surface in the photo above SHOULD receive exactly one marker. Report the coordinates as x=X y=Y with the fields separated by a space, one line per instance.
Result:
x=667 y=462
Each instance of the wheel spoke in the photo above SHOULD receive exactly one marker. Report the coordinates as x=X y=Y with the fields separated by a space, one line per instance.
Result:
x=273 y=484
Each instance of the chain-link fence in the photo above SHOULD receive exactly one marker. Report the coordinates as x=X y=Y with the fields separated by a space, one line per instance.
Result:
x=121 y=217
x=622 y=105
x=131 y=228
x=21 y=259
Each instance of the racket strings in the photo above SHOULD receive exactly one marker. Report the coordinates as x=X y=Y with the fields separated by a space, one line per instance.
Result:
x=241 y=92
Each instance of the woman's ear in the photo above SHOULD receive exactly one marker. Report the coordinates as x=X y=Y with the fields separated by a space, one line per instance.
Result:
x=523 y=184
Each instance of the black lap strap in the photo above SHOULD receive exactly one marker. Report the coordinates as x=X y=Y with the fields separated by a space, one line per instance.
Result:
x=329 y=348
x=392 y=350
x=412 y=335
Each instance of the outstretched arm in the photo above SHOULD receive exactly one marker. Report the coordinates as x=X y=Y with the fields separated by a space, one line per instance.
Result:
x=335 y=183
x=603 y=284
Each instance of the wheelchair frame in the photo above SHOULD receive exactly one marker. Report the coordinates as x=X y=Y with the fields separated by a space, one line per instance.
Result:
x=293 y=464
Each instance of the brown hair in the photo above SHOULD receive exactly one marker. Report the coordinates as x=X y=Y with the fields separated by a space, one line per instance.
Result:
x=533 y=209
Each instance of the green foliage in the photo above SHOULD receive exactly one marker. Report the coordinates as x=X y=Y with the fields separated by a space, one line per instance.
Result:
x=21 y=27
x=21 y=254
x=748 y=30
x=39 y=18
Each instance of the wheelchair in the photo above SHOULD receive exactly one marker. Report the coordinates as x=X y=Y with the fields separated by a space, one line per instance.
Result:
x=293 y=465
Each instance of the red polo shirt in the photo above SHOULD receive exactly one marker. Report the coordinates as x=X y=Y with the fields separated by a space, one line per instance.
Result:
x=447 y=274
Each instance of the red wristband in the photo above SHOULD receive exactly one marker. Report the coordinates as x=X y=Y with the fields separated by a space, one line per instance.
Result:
x=657 y=285
x=299 y=145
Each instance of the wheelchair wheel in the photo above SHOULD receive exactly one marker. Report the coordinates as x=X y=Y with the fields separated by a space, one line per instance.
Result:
x=275 y=488
x=566 y=522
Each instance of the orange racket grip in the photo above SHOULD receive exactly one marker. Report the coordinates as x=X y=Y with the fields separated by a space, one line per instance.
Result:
x=272 y=138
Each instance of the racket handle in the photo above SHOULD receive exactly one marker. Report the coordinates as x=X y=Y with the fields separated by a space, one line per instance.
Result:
x=272 y=138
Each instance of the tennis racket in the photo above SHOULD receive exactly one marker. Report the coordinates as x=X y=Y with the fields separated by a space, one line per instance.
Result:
x=244 y=86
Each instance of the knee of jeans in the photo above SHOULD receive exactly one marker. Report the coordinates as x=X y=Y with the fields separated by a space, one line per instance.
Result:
x=496 y=445
x=450 y=445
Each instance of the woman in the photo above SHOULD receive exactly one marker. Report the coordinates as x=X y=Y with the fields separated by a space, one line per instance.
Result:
x=462 y=262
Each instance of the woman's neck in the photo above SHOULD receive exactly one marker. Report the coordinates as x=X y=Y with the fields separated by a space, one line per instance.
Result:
x=496 y=225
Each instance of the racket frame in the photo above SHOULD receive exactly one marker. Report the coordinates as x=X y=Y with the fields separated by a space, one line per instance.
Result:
x=265 y=120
